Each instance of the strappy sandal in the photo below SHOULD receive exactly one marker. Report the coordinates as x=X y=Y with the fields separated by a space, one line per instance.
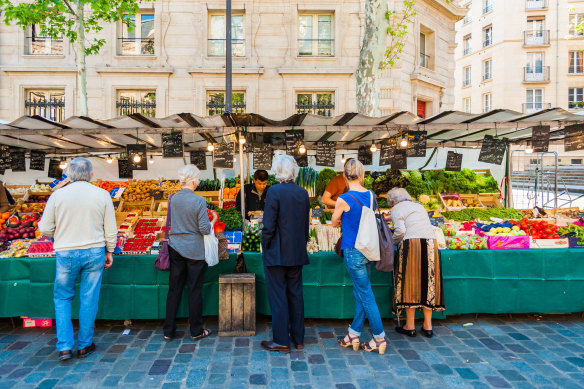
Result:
x=206 y=332
x=353 y=341
x=380 y=346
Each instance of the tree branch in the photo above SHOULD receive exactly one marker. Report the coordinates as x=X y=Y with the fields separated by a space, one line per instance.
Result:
x=70 y=8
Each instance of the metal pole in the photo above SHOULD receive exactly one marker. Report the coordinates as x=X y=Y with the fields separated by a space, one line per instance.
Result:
x=241 y=183
x=228 y=61
x=508 y=178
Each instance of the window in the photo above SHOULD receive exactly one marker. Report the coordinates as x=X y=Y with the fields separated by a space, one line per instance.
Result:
x=576 y=62
x=488 y=70
x=488 y=6
x=487 y=36
x=576 y=162
x=534 y=100
x=216 y=102
x=467 y=105
x=216 y=43
x=424 y=57
x=534 y=63
x=136 y=101
x=466 y=76
x=575 y=21
x=487 y=102
x=316 y=103
x=467 y=44
x=48 y=103
x=315 y=35
x=575 y=98
x=38 y=43
x=140 y=39
x=468 y=16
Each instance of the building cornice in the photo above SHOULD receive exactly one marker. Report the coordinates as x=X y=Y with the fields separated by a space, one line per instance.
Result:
x=255 y=70
x=38 y=69
x=130 y=69
x=426 y=79
x=344 y=70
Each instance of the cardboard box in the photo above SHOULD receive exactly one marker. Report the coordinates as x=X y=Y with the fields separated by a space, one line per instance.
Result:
x=508 y=242
x=549 y=243
x=32 y=323
x=233 y=248
x=575 y=243
x=233 y=237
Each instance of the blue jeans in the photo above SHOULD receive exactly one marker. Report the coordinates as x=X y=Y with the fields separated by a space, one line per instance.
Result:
x=89 y=264
x=365 y=305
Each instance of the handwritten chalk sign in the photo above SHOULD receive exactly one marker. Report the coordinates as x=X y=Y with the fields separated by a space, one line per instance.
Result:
x=400 y=159
x=387 y=151
x=223 y=156
x=138 y=149
x=294 y=139
x=54 y=170
x=540 y=138
x=199 y=159
x=5 y=162
x=326 y=153
x=574 y=138
x=493 y=150
x=172 y=145
x=125 y=169
x=417 y=141
x=437 y=221
x=37 y=160
x=262 y=156
x=17 y=161
x=317 y=212
x=453 y=162
x=364 y=155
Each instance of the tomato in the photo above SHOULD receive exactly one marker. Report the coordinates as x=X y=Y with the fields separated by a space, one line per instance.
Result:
x=556 y=236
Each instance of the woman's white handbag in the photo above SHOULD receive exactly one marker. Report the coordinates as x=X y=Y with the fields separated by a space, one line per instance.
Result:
x=211 y=249
x=367 y=241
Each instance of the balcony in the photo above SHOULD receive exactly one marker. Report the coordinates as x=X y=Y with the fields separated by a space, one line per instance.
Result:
x=136 y=46
x=321 y=109
x=537 y=74
x=531 y=5
x=535 y=107
x=487 y=77
x=488 y=8
x=426 y=61
x=467 y=50
x=536 y=38
x=467 y=19
x=52 y=109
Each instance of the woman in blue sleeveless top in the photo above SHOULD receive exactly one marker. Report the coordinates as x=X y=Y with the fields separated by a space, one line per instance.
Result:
x=348 y=215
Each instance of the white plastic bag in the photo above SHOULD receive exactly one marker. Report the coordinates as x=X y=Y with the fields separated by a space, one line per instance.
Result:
x=367 y=241
x=211 y=249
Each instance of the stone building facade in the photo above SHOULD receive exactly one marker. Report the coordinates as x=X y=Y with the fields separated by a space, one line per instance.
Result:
x=289 y=56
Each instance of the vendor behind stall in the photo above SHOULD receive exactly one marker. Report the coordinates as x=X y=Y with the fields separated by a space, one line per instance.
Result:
x=255 y=194
x=336 y=187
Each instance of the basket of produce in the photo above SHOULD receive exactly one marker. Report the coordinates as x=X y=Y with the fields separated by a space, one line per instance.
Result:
x=471 y=201
x=17 y=249
x=451 y=201
x=17 y=191
x=232 y=219
x=430 y=203
x=41 y=248
x=251 y=238
x=139 y=191
x=30 y=207
x=481 y=214
x=41 y=189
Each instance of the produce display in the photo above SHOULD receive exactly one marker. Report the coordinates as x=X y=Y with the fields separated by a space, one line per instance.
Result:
x=466 y=243
x=252 y=238
x=537 y=229
x=307 y=179
x=326 y=236
x=41 y=247
x=209 y=185
x=30 y=207
x=231 y=217
x=17 y=249
x=139 y=190
x=324 y=177
x=482 y=214
x=40 y=188
x=37 y=199
x=18 y=192
x=139 y=243
x=170 y=185
x=110 y=185
x=572 y=230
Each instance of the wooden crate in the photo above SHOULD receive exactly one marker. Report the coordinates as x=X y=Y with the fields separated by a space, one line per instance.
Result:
x=237 y=309
x=474 y=197
x=23 y=189
x=490 y=200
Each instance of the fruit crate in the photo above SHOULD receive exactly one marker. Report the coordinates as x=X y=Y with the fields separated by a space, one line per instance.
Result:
x=213 y=197
x=471 y=201
x=18 y=191
x=144 y=206
x=159 y=208
x=446 y=199
x=490 y=200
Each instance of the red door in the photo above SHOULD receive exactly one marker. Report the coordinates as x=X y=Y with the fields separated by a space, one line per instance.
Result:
x=421 y=109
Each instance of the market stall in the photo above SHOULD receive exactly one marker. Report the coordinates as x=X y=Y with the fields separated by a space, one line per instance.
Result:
x=136 y=159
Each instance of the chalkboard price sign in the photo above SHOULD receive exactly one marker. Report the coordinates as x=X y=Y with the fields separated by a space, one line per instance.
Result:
x=574 y=138
x=493 y=150
x=139 y=149
x=37 y=160
x=326 y=153
x=199 y=159
x=17 y=161
x=172 y=145
x=54 y=170
x=436 y=221
x=387 y=152
x=262 y=156
x=223 y=156
x=125 y=169
x=5 y=162
x=453 y=162
x=541 y=138
x=400 y=159
x=417 y=141
x=365 y=156
x=294 y=139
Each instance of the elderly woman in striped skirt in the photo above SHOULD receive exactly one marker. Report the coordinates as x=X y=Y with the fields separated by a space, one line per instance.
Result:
x=417 y=270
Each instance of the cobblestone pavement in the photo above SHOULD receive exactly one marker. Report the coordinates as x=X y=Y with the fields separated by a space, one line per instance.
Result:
x=496 y=351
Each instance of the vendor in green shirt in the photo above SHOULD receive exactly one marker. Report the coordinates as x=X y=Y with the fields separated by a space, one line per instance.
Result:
x=255 y=194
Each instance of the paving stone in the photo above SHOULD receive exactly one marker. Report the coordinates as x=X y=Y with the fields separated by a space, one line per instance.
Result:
x=257 y=379
x=315 y=359
x=467 y=374
x=497 y=382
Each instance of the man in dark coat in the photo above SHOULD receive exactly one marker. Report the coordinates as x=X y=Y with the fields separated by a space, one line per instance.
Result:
x=284 y=239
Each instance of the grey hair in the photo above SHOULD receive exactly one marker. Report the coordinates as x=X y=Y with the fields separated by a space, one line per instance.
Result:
x=354 y=170
x=188 y=174
x=285 y=168
x=397 y=195
x=80 y=169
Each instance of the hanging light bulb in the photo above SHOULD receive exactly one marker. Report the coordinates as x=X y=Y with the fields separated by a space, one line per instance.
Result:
x=151 y=160
x=373 y=147
x=404 y=143
x=63 y=165
x=109 y=159
x=137 y=158
x=210 y=147
x=343 y=159
x=529 y=150
x=242 y=139
x=302 y=149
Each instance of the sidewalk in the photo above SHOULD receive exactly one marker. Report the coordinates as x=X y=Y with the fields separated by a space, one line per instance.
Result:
x=496 y=351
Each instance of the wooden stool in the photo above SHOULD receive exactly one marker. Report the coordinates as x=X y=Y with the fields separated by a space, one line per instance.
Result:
x=237 y=305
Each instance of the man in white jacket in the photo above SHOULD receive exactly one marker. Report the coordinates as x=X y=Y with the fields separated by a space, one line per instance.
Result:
x=81 y=219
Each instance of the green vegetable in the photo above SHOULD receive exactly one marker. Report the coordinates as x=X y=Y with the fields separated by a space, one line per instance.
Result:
x=391 y=179
x=416 y=185
x=252 y=238
x=231 y=217
x=577 y=230
x=368 y=182
x=325 y=217
x=307 y=178
x=482 y=214
x=382 y=202
x=324 y=177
